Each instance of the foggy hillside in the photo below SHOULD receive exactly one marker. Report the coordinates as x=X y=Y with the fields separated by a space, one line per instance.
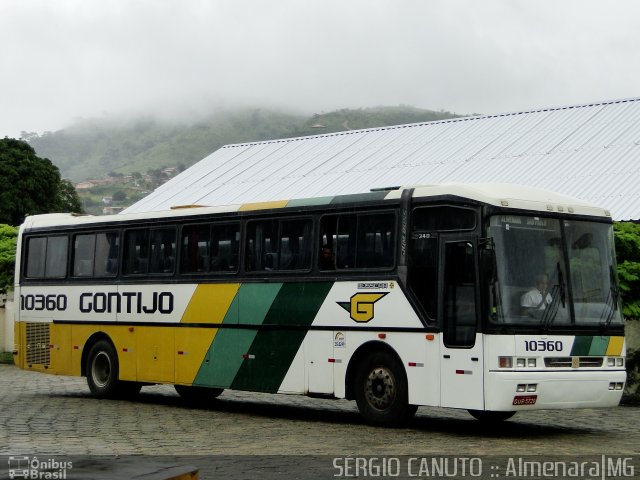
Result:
x=94 y=148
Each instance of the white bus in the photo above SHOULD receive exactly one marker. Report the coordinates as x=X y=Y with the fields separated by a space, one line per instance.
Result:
x=490 y=298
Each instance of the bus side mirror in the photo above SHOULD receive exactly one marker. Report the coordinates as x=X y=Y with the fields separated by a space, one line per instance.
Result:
x=488 y=264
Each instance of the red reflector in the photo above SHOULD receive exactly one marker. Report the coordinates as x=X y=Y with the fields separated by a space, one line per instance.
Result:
x=131 y=329
x=76 y=347
x=525 y=400
x=430 y=337
x=382 y=336
x=413 y=364
x=459 y=372
x=246 y=355
x=125 y=349
x=332 y=360
x=180 y=352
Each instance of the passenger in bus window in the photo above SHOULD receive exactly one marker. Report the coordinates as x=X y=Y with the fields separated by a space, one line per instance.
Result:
x=327 y=260
x=536 y=299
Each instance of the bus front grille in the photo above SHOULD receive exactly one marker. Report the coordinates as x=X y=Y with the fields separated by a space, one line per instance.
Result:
x=573 y=362
x=38 y=344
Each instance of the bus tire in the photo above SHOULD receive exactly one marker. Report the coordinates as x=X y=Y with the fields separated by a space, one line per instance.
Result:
x=196 y=394
x=102 y=370
x=490 y=416
x=381 y=390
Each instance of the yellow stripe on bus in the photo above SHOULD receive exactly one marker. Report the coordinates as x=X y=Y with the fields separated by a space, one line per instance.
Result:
x=210 y=303
x=263 y=205
x=615 y=346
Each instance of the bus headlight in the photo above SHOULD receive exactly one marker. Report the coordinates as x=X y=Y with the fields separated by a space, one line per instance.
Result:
x=615 y=361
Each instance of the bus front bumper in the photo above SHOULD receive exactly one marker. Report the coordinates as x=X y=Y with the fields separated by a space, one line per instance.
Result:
x=517 y=390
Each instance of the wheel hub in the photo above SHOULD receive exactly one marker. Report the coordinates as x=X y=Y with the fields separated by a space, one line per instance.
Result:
x=101 y=369
x=380 y=388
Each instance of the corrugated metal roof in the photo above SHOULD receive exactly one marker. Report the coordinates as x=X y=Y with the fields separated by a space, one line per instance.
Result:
x=591 y=152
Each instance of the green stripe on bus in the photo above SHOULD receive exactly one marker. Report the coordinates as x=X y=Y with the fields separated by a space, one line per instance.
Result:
x=225 y=357
x=360 y=197
x=256 y=300
x=581 y=345
x=226 y=353
x=599 y=346
x=307 y=202
x=273 y=351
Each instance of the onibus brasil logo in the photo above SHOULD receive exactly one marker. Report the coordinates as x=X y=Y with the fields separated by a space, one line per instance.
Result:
x=360 y=307
x=32 y=468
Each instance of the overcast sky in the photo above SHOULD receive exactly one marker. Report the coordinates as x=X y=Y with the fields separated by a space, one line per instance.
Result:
x=66 y=59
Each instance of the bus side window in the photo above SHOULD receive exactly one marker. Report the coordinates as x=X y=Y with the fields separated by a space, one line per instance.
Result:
x=83 y=255
x=136 y=252
x=225 y=242
x=194 y=249
x=36 y=252
x=106 y=254
x=375 y=248
x=295 y=244
x=47 y=257
x=162 y=250
x=261 y=254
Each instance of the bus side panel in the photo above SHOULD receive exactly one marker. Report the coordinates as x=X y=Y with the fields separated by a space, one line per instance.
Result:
x=18 y=344
x=122 y=338
x=420 y=358
x=192 y=352
x=378 y=305
x=61 y=349
x=155 y=354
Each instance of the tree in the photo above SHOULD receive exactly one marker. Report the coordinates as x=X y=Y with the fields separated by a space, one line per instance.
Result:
x=119 y=196
x=31 y=185
x=627 y=237
x=67 y=199
x=8 y=238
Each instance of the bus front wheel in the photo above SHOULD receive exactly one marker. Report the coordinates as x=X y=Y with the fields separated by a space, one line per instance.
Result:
x=489 y=416
x=381 y=390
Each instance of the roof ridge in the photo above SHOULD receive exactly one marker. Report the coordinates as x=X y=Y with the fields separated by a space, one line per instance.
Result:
x=432 y=122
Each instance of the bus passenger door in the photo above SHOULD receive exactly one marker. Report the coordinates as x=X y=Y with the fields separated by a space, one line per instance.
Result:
x=461 y=363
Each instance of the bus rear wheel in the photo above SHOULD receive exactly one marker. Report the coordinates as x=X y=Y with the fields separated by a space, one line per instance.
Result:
x=381 y=390
x=102 y=373
x=102 y=370
x=490 y=416
x=197 y=394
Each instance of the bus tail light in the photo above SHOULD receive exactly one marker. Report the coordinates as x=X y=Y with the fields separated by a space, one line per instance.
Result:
x=505 y=362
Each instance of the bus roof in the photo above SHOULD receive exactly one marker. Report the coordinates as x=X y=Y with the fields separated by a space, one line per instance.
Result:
x=502 y=195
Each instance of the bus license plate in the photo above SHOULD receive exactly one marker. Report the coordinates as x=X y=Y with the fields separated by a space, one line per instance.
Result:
x=525 y=400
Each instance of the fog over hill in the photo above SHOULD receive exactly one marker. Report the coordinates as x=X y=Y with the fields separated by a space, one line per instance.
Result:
x=96 y=147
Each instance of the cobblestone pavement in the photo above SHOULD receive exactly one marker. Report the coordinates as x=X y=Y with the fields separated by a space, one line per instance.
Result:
x=50 y=415
x=46 y=414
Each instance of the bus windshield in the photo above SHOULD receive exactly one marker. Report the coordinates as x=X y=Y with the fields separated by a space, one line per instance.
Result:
x=553 y=272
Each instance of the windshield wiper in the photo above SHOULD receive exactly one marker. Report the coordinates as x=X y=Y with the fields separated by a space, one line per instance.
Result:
x=612 y=299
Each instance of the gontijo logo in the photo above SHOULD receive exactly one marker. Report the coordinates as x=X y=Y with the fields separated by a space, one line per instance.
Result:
x=360 y=307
